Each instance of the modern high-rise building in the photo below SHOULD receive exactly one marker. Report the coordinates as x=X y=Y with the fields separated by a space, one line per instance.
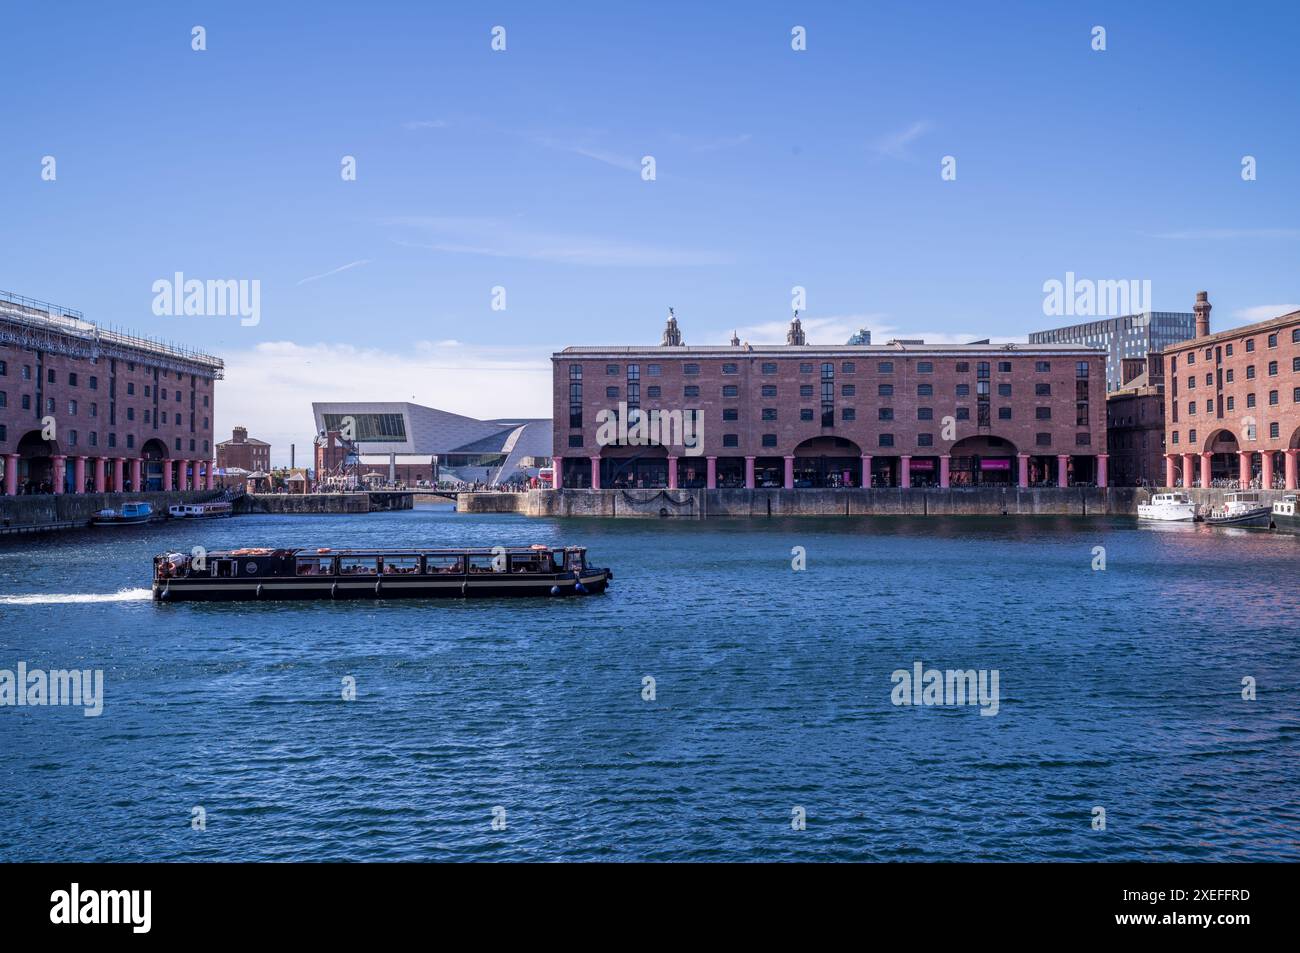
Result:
x=1130 y=337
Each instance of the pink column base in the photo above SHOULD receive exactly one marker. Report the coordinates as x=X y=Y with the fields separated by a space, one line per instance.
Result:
x=789 y=473
x=1101 y=469
x=672 y=473
x=1292 y=465
x=1266 y=471
x=59 y=465
x=945 y=461
x=137 y=475
x=1243 y=468
x=1170 y=468
x=749 y=473
x=11 y=474
x=711 y=473
x=1022 y=478
x=78 y=474
x=1062 y=469
x=595 y=473
x=905 y=472
x=557 y=468
x=99 y=474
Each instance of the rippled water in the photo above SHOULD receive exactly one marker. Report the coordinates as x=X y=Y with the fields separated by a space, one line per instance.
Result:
x=1119 y=689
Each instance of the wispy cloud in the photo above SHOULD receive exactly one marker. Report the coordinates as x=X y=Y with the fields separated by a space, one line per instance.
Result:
x=724 y=142
x=504 y=239
x=895 y=145
x=335 y=271
x=414 y=124
x=1219 y=234
x=583 y=148
x=1263 y=312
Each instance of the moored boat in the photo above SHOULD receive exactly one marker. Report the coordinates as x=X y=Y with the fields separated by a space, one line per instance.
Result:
x=1286 y=512
x=200 y=511
x=1168 y=507
x=1241 y=509
x=128 y=514
x=264 y=573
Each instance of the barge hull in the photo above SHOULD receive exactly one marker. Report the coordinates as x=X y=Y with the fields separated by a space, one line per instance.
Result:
x=270 y=590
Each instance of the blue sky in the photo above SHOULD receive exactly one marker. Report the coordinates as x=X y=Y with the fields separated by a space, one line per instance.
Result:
x=521 y=169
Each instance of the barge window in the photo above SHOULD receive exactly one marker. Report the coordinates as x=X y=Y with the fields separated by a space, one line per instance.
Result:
x=444 y=565
x=530 y=562
x=358 y=566
x=484 y=562
x=401 y=565
x=315 y=566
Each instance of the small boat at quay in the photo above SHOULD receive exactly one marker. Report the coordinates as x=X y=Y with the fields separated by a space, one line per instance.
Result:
x=200 y=511
x=128 y=514
x=1168 y=507
x=273 y=574
x=1286 y=513
x=1241 y=509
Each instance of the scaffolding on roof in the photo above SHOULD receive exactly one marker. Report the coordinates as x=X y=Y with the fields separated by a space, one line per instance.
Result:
x=42 y=326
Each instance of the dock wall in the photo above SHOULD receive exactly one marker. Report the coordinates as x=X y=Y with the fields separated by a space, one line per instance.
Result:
x=323 y=502
x=68 y=510
x=706 y=504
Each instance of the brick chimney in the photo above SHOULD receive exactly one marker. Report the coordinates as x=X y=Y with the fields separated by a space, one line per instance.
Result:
x=1202 y=309
x=239 y=434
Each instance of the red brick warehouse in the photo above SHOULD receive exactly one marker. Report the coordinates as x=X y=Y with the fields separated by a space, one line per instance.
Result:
x=1232 y=412
x=802 y=415
x=87 y=410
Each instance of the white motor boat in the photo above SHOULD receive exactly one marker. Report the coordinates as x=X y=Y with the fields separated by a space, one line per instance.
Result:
x=1168 y=508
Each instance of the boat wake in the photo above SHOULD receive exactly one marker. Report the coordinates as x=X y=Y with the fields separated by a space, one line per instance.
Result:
x=67 y=598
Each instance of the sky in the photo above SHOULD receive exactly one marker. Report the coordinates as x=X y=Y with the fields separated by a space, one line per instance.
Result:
x=523 y=170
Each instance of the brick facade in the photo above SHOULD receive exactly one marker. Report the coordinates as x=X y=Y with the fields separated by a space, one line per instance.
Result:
x=1232 y=405
x=82 y=409
x=803 y=415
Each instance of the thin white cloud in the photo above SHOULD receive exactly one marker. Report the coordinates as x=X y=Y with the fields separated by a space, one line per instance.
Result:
x=271 y=387
x=1221 y=234
x=503 y=239
x=335 y=271
x=1264 y=312
x=894 y=145
x=725 y=142
x=413 y=124
x=625 y=162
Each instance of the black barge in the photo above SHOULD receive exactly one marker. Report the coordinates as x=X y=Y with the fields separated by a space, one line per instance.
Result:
x=250 y=574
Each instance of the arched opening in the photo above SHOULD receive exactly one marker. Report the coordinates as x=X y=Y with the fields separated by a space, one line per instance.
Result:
x=36 y=463
x=154 y=452
x=627 y=467
x=983 y=461
x=827 y=462
x=1225 y=463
